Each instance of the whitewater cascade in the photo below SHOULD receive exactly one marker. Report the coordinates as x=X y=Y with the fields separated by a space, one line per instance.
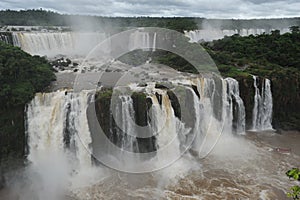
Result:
x=263 y=106
x=215 y=34
x=57 y=122
x=124 y=110
x=236 y=106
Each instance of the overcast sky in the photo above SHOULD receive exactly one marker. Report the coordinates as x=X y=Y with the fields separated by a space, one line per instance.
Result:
x=193 y=8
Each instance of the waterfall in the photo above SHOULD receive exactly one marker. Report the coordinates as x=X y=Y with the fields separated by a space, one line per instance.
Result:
x=166 y=127
x=154 y=42
x=52 y=44
x=236 y=112
x=56 y=121
x=142 y=40
x=263 y=106
x=124 y=117
x=216 y=34
x=5 y=38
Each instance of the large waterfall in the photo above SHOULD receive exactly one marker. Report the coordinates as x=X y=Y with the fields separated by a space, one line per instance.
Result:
x=263 y=105
x=57 y=122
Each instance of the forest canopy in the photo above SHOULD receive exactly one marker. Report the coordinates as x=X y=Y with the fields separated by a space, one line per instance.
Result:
x=259 y=54
x=40 y=17
x=21 y=76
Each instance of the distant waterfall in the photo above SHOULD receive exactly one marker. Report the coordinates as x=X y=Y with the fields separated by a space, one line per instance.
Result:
x=263 y=106
x=216 y=34
x=74 y=43
x=142 y=40
x=52 y=44
x=6 y=38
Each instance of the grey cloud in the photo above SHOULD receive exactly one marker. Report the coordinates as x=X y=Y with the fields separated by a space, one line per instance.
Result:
x=267 y=1
x=193 y=8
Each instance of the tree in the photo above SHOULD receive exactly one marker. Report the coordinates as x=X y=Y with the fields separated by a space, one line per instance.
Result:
x=21 y=76
x=295 y=29
x=295 y=190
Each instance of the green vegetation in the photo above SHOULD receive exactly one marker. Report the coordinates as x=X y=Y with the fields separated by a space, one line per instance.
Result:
x=192 y=51
x=49 y=18
x=261 y=54
x=139 y=57
x=272 y=56
x=295 y=190
x=21 y=76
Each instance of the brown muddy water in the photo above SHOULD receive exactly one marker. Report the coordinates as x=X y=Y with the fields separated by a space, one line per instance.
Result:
x=244 y=167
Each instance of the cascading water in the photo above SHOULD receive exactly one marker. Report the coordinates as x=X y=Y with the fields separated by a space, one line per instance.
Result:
x=61 y=118
x=236 y=106
x=142 y=40
x=123 y=112
x=58 y=126
x=167 y=128
x=73 y=43
x=263 y=106
x=4 y=37
x=55 y=121
x=215 y=34
x=52 y=44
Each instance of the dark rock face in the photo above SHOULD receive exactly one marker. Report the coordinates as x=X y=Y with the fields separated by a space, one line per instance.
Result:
x=286 y=102
x=12 y=141
x=175 y=104
x=141 y=105
x=6 y=37
x=247 y=93
x=217 y=99
x=12 y=137
x=2 y=180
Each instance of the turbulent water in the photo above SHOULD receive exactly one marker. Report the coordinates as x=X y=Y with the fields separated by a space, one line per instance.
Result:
x=55 y=121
